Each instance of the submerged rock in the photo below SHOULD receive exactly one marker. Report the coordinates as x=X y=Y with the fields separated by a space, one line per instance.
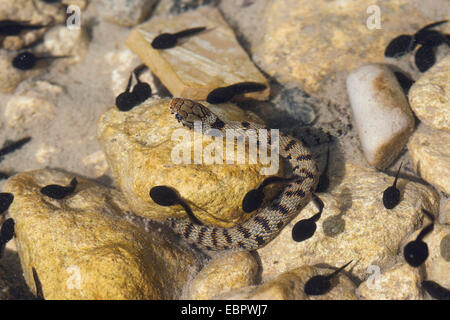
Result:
x=200 y=63
x=225 y=272
x=290 y=286
x=430 y=153
x=354 y=224
x=85 y=247
x=430 y=96
x=143 y=147
x=401 y=282
x=126 y=13
x=382 y=115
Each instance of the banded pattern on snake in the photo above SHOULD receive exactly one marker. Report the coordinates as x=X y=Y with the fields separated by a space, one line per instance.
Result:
x=268 y=221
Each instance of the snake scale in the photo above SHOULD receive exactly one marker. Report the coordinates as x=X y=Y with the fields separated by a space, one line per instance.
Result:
x=262 y=227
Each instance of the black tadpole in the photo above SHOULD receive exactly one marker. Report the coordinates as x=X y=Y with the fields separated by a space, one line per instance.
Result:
x=27 y=60
x=141 y=90
x=56 y=191
x=5 y=201
x=13 y=146
x=424 y=58
x=319 y=285
x=13 y=28
x=225 y=94
x=416 y=252
x=391 y=196
x=399 y=46
x=254 y=198
x=166 y=196
x=126 y=100
x=436 y=290
x=305 y=229
x=169 y=40
x=7 y=231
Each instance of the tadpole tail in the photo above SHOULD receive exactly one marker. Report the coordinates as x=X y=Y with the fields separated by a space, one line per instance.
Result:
x=432 y=25
x=14 y=146
x=398 y=172
x=190 y=213
x=189 y=32
x=339 y=270
x=246 y=87
x=138 y=70
x=73 y=183
x=428 y=214
x=425 y=231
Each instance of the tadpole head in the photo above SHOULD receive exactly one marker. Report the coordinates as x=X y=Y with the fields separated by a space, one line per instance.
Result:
x=7 y=231
x=317 y=285
x=252 y=200
x=142 y=91
x=399 y=46
x=164 y=196
x=391 y=197
x=415 y=253
x=220 y=95
x=5 y=201
x=164 y=41
x=126 y=101
x=303 y=230
x=24 y=61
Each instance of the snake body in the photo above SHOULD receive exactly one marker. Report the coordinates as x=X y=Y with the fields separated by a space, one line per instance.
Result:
x=268 y=221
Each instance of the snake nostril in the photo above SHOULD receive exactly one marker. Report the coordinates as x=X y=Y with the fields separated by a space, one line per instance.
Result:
x=179 y=117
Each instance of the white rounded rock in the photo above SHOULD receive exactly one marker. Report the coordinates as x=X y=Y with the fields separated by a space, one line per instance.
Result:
x=383 y=118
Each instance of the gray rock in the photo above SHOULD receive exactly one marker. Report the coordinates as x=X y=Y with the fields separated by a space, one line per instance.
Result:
x=125 y=12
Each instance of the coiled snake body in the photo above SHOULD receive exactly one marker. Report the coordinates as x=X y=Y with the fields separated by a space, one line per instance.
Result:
x=268 y=221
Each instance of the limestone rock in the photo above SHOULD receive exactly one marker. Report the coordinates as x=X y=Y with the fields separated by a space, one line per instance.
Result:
x=200 y=63
x=34 y=12
x=437 y=265
x=138 y=146
x=430 y=96
x=354 y=224
x=27 y=107
x=85 y=247
x=401 y=282
x=97 y=163
x=126 y=13
x=430 y=153
x=10 y=77
x=382 y=115
x=290 y=286
x=225 y=272
x=313 y=42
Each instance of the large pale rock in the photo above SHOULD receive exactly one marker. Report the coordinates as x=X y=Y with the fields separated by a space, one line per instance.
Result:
x=289 y=286
x=225 y=272
x=382 y=115
x=200 y=63
x=430 y=96
x=437 y=265
x=85 y=247
x=126 y=13
x=314 y=41
x=33 y=12
x=354 y=224
x=430 y=153
x=138 y=146
x=401 y=282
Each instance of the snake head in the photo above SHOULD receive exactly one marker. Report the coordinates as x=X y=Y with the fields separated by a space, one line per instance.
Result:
x=187 y=111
